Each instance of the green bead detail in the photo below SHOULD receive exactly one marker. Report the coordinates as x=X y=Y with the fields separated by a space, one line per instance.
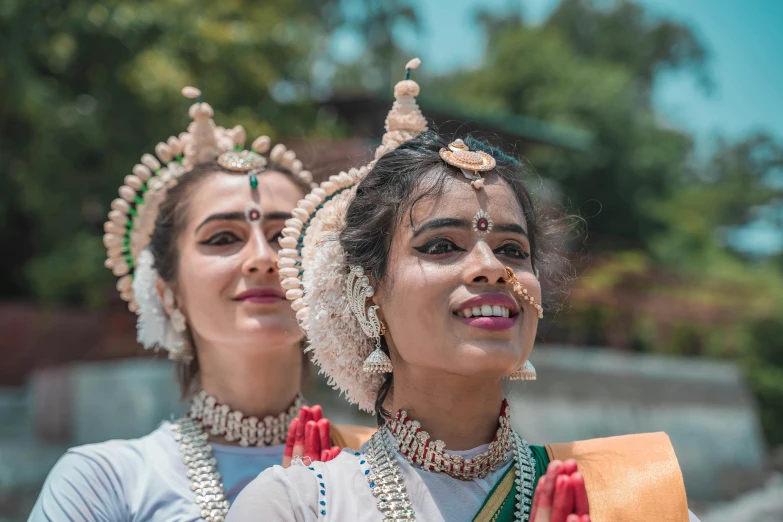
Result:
x=137 y=200
x=238 y=148
x=179 y=158
x=300 y=245
x=144 y=188
x=132 y=211
x=301 y=237
x=301 y=272
x=253 y=181
x=129 y=224
x=128 y=258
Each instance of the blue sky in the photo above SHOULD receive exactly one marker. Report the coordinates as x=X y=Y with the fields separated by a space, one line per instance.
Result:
x=745 y=43
x=744 y=38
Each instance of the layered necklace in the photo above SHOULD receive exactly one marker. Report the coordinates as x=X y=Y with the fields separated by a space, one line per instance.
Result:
x=207 y=417
x=403 y=435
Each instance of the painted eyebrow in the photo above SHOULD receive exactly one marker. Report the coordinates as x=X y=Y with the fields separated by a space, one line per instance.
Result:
x=461 y=223
x=240 y=216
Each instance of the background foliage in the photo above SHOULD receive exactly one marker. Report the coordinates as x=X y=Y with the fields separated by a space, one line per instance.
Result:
x=90 y=85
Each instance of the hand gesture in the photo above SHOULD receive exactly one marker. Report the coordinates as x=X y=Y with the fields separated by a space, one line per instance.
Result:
x=309 y=437
x=561 y=495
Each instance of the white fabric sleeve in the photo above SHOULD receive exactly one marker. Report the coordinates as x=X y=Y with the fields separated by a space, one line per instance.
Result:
x=284 y=495
x=80 y=489
x=692 y=517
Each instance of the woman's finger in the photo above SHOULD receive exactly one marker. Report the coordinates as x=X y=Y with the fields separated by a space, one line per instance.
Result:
x=569 y=467
x=572 y=518
x=312 y=445
x=305 y=414
x=325 y=455
x=317 y=412
x=581 y=505
x=336 y=450
x=536 y=496
x=546 y=496
x=300 y=439
x=563 y=503
x=288 y=453
x=553 y=470
x=325 y=432
x=584 y=518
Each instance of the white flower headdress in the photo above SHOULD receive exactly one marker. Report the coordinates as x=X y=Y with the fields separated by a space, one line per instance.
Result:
x=131 y=221
x=313 y=268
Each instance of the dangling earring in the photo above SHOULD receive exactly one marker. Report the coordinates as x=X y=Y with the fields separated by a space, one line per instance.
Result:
x=526 y=372
x=359 y=290
x=179 y=347
x=378 y=361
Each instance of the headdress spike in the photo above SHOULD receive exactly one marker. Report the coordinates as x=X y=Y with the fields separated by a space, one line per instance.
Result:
x=405 y=120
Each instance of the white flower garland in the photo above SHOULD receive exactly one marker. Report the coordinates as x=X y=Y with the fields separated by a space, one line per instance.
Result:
x=154 y=329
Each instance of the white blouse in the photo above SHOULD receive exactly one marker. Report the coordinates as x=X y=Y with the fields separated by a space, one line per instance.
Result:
x=140 y=480
x=339 y=491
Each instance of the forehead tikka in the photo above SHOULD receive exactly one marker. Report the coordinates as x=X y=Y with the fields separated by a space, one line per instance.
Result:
x=471 y=163
x=254 y=213
x=482 y=222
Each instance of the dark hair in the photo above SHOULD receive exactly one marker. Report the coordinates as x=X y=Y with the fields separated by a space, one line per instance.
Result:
x=395 y=185
x=171 y=221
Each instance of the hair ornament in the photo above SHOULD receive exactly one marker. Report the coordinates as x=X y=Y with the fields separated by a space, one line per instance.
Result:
x=471 y=163
x=131 y=221
x=241 y=161
x=314 y=271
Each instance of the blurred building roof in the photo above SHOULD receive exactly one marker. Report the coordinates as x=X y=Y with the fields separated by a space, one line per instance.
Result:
x=365 y=114
x=704 y=406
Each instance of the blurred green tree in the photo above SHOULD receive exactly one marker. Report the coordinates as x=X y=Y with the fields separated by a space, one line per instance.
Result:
x=89 y=86
x=592 y=68
x=664 y=274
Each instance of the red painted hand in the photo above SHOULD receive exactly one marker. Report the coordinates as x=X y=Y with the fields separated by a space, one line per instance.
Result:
x=561 y=495
x=309 y=437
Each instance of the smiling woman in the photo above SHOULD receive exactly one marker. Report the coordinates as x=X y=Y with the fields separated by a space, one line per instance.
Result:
x=194 y=244
x=421 y=294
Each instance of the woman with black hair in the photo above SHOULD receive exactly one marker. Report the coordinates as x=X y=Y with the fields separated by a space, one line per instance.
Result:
x=420 y=280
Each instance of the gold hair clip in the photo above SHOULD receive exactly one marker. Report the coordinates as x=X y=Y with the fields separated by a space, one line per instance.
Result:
x=241 y=160
x=468 y=161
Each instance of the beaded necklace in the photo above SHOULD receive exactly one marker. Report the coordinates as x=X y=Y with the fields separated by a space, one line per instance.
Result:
x=387 y=485
x=207 y=416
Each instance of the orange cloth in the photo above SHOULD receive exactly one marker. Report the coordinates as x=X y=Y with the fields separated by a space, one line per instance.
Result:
x=350 y=435
x=632 y=478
